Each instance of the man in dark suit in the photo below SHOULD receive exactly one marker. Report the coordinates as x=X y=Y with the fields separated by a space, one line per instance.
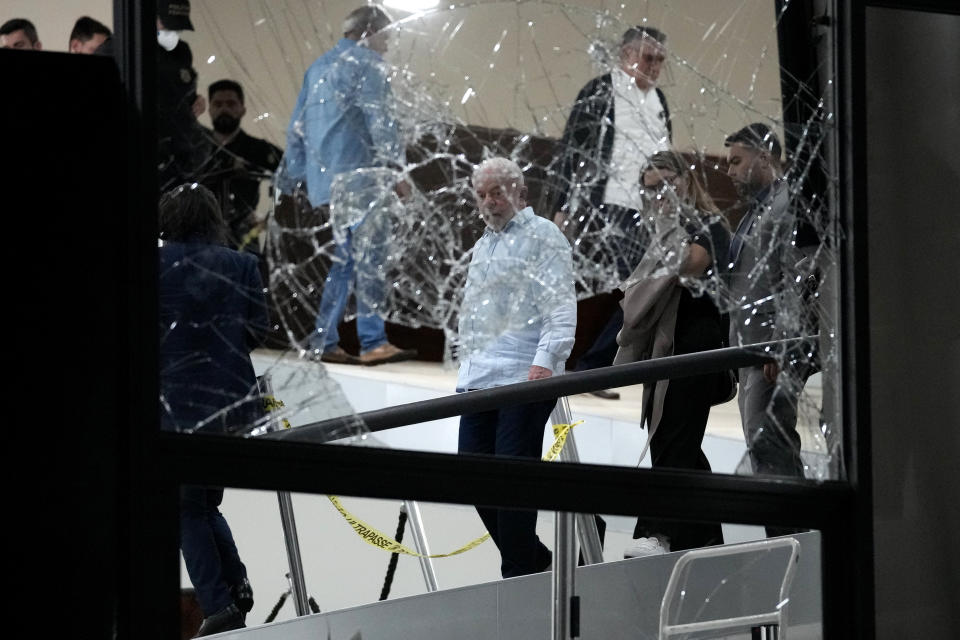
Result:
x=212 y=314
x=762 y=260
x=619 y=120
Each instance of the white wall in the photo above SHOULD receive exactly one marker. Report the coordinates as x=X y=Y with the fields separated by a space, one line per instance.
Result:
x=724 y=71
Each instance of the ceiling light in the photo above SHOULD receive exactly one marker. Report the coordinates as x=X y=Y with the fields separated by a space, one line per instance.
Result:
x=411 y=6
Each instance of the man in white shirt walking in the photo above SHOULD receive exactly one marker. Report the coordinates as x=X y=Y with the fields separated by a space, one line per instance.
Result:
x=517 y=323
x=619 y=120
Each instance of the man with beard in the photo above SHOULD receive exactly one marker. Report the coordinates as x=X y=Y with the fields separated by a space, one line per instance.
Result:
x=762 y=259
x=236 y=164
x=517 y=323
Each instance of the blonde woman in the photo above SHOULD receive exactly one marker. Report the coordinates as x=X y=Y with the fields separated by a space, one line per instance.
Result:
x=670 y=309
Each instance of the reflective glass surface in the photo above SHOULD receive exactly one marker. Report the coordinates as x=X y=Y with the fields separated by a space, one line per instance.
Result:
x=657 y=195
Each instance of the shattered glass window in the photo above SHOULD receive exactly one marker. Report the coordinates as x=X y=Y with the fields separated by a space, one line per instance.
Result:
x=389 y=229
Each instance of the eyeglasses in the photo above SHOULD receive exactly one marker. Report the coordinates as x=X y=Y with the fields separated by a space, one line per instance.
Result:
x=654 y=191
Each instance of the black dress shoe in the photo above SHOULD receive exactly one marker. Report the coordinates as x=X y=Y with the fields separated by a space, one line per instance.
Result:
x=242 y=595
x=226 y=619
x=606 y=395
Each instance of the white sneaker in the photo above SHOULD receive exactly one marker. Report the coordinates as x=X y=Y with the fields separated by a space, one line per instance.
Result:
x=646 y=547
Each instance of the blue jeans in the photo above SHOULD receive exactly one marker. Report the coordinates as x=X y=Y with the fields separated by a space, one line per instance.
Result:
x=371 y=331
x=517 y=432
x=209 y=551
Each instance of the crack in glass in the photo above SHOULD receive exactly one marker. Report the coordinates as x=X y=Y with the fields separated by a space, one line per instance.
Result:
x=469 y=81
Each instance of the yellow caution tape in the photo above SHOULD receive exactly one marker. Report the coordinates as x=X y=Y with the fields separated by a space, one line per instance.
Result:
x=368 y=533
x=380 y=540
x=248 y=238
x=377 y=538
x=560 y=432
x=272 y=404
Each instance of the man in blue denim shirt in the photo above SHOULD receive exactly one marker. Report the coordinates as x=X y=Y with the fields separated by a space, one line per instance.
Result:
x=342 y=123
x=517 y=323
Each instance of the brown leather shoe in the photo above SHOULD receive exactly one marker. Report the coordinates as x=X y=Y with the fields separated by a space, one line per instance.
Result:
x=338 y=356
x=387 y=353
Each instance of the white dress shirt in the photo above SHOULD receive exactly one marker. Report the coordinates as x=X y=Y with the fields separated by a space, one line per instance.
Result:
x=640 y=130
x=519 y=304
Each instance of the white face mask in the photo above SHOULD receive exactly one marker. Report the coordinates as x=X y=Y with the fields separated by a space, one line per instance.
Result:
x=167 y=39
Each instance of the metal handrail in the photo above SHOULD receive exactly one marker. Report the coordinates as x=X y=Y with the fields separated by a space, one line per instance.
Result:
x=458 y=404
x=670 y=367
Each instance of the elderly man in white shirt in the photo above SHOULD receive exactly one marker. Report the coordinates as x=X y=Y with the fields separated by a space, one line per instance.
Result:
x=517 y=323
x=619 y=121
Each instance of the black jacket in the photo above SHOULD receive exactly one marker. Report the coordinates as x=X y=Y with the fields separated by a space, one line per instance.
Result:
x=212 y=314
x=233 y=172
x=180 y=138
x=585 y=156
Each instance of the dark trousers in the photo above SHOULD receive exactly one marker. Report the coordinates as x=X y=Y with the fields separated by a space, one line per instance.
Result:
x=625 y=247
x=209 y=552
x=514 y=432
x=604 y=348
x=677 y=444
x=769 y=414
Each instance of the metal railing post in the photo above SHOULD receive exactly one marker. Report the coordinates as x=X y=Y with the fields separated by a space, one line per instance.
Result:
x=420 y=543
x=586 y=524
x=566 y=607
x=298 y=585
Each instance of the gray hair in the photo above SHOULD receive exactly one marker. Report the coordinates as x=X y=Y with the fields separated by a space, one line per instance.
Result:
x=366 y=19
x=640 y=32
x=502 y=168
